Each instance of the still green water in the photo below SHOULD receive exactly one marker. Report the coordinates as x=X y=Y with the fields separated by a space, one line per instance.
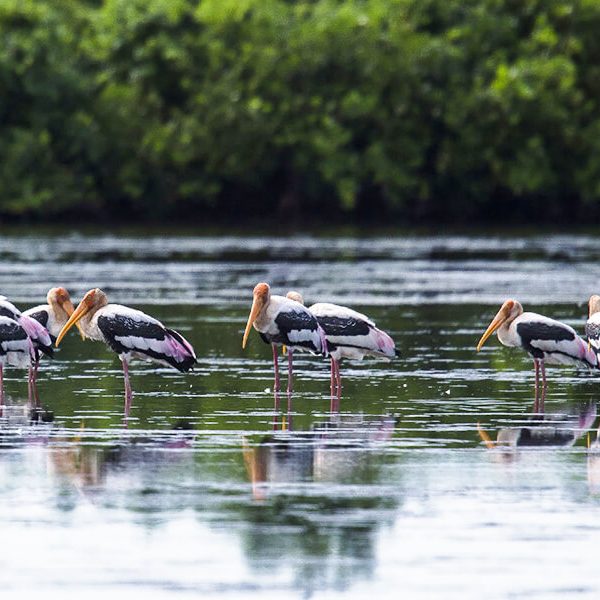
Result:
x=211 y=490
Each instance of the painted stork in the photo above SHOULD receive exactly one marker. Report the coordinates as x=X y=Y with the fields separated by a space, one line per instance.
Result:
x=16 y=349
x=54 y=315
x=349 y=334
x=131 y=334
x=284 y=322
x=39 y=337
x=546 y=340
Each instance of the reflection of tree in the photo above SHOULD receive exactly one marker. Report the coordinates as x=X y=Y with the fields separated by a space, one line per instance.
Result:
x=314 y=494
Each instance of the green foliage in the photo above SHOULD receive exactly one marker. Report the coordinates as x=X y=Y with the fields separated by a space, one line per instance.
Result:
x=449 y=109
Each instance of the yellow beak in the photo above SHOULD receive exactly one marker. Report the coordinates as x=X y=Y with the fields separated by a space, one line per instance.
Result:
x=77 y=315
x=485 y=438
x=494 y=325
x=70 y=309
x=257 y=306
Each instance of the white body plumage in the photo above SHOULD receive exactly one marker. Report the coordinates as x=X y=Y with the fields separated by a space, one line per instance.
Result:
x=555 y=342
x=130 y=340
x=351 y=334
x=287 y=322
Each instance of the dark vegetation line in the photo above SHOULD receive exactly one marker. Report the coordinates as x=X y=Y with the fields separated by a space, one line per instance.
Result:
x=390 y=111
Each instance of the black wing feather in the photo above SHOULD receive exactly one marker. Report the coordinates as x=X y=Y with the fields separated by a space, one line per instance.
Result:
x=544 y=331
x=288 y=321
x=344 y=326
x=11 y=332
x=592 y=331
x=41 y=316
x=6 y=312
x=294 y=320
x=114 y=326
x=533 y=331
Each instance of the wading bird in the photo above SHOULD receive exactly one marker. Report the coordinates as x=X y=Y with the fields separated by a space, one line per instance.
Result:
x=16 y=349
x=546 y=340
x=349 y=334
x=52 y=316
x=284 y=322
x=131 y=334
x=39 y=337
x=55 y=314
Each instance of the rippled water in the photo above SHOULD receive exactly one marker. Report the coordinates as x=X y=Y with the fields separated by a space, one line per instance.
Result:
x=211 y=491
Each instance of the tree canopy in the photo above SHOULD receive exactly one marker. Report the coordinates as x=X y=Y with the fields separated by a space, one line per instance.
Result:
x=453 y=110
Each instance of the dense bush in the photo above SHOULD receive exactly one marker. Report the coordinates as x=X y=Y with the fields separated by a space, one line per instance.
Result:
x=417 y=109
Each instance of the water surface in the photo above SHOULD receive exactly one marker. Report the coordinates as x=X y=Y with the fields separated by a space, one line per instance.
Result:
x=211 y=491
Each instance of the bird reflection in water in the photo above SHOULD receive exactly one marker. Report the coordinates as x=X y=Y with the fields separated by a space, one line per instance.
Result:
x=593 y=463
x=85 y=466
x=19 y=419
x=336 y=450
x=551 y=430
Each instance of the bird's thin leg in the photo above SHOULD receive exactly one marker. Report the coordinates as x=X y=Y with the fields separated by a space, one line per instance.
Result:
x=290 y=386
x=335 y=400
x=544 y=387
x=332 y=385
x=30 y=385
x=35 y=390
x=276 y=411
x=536 y=404
x=339 y=381
x=1 y=384
x=128 y=394
x=276 y=368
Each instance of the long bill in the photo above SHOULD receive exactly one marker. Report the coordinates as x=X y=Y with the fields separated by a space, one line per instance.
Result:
x=257 y=305
x=70 y=309
x=485 y=438
x=79 y=313
x=494 y=325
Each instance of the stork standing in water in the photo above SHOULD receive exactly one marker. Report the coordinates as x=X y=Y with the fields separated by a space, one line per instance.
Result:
x=52 y=316
x=349 y=334
x=131 y=334
x=40 y=339
x=284 y=322
x=546 y=340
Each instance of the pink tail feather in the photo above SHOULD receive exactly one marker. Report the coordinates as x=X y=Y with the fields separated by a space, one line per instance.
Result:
x=385 y=343
x=177 y=347
x=35 y=330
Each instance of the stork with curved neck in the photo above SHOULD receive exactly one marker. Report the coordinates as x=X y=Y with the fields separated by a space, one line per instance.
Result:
x=349 y=334
x=548 y=342
x=131 y=334
x=283 y=322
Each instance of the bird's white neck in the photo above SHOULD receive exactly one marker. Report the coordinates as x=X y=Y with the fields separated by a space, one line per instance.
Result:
x=507 y=334
x=89 y=326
